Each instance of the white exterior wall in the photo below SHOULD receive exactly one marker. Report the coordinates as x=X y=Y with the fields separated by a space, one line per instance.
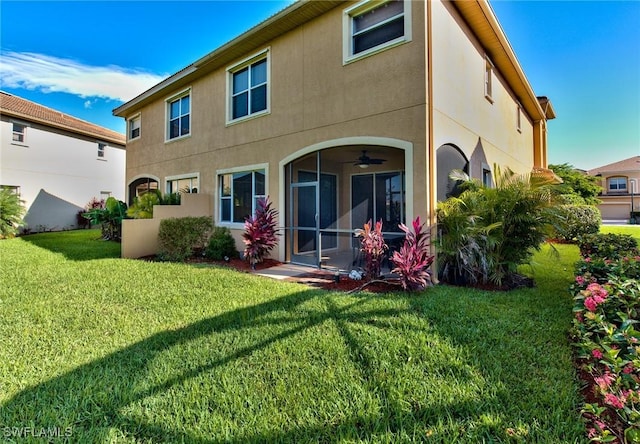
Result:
x=463 y=116
x=58 y=173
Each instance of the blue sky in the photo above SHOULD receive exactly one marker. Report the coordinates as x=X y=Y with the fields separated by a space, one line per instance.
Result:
x=87 y=57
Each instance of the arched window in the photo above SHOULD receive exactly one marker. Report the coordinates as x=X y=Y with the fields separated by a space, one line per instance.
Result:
x=448 y=158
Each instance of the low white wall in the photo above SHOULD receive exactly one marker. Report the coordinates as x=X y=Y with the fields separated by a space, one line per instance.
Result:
x=140 y=236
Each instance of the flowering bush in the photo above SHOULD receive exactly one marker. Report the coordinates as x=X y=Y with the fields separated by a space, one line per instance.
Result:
x=606 y=308
x=413 y=260
x=608 y=246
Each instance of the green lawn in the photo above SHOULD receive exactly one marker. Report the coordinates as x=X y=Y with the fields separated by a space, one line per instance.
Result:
x=130 y=351
x=633 y=230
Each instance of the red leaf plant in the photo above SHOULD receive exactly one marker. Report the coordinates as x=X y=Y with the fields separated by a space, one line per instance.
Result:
x=260 y=234
x=373 y=246
x=413 y=259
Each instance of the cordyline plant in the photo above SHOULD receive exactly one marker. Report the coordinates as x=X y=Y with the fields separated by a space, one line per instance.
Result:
x=373 y=246
x=260 y=235
x=413 y=260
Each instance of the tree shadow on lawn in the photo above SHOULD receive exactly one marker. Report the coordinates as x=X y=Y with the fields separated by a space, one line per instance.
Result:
x=93 y=398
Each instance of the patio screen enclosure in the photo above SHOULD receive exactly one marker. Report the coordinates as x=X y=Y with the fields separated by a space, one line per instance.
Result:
x=328 y=196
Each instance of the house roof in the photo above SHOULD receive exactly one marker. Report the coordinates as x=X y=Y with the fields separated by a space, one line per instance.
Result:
x=477 y=13
x=630 y=164
x=26 y=110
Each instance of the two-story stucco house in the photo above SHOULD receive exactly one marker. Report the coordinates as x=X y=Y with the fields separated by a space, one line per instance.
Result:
x=341 y=112
x=56 y=162
x=619 y=182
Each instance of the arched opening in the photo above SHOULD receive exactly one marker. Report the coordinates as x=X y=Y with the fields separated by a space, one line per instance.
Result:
x=140 y=186
x=448 y=158
x=331 y=191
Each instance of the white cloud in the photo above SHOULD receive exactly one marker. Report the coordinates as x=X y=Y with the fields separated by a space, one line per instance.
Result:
x=54 y=74
x=87 y=104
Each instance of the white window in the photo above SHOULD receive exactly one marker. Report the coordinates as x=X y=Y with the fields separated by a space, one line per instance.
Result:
x=134 y=127
x=183 y=184
x=19 y=132
x=239 y=194
x=488 y=79
x=618 y=184
x=371 y=26
x=179 y=115
x=249 y=87
x=101 y=148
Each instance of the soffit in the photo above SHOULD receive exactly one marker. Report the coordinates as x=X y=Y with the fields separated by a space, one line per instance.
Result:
x=288 y=19
x=484 y=24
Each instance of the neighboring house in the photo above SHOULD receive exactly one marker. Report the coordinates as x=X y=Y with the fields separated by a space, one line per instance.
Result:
x=341 y=112
x=619 y=181
x=57 y=163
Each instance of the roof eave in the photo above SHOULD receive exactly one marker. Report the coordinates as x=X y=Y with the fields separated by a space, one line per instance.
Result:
x=493 y=39
x=289 y=18
x=120 y=142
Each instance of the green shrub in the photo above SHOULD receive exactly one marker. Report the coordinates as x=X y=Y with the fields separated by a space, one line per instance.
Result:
x=109 y=218
x=576 y=220
x=608 y=245
x=11 y=212
x=221 y=245
x=142 y=207
x=487 y=232
x=179 y=238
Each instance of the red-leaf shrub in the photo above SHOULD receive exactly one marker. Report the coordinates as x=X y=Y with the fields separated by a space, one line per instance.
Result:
x=373 y=246
x=413 y=259
x=260 y=235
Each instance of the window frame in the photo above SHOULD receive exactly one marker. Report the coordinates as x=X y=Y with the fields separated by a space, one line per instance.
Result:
x=263 y=167
x=178 y=177
x=618 y=179
x=264 y=54
x=488 y=78
x=487 y=176
x=519 y=118
x=23 y=133
x=361 y=8
x=102 y=148
x=137 y=117
x=179 y=96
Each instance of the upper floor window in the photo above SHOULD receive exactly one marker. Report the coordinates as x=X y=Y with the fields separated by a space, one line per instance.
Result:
x=239 y=194
x=371 y=26
x=249 y=82
x=134 y=127
x=519 y=118
x=101 y=148
x=618 y=184
x=179 y=115
x=488 y=79
x=19 y=132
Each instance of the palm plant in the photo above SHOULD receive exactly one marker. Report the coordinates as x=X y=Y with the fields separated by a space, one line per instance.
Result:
x=486 y=233
x=11 y=212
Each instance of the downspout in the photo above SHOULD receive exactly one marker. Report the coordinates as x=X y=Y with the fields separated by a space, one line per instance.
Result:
x=431 y=168
x=430 y=148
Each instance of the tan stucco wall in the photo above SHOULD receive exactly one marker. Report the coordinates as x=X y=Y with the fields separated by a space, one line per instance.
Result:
x=315 y=98
x=140 y=236
x=463 y=115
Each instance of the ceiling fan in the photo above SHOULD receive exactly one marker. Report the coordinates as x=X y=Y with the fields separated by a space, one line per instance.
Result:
x=364 y=161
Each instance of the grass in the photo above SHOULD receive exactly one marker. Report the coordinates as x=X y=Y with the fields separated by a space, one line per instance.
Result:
x=633 y=230
x=127 y=351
